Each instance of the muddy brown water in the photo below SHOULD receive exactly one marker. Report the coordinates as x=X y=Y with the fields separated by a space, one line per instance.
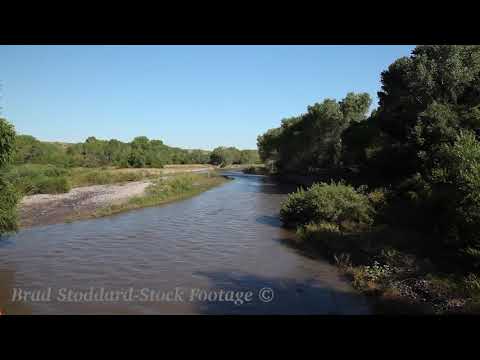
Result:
x=191 y=257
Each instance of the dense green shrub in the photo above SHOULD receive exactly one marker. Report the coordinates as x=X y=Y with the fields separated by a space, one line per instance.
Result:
x=332 y=203
x=52 y=185
x=31 y=179
x=32 y=151
x=8 y=202
x=456 y=181
x=225 y=156
x=8 y=195
x=298 y=208
x=7 y=142
x=164 y=188
x=137 y=159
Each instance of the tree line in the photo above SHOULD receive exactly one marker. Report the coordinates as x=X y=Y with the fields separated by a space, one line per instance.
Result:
x=312 y=141
x=421 y=143
x=140 y=152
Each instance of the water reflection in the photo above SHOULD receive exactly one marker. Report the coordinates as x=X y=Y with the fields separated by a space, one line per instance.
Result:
x=227 y=236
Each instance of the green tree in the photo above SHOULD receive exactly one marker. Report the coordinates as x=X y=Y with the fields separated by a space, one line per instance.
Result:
x=429 y=117
x=8 y=195
x=426 y=99
x=354 y=107
x=7 y=142
x=137 y=159
x=225 y=156
x=455 y=182
x=141 y=143
x=249 y=157
x=312 y=141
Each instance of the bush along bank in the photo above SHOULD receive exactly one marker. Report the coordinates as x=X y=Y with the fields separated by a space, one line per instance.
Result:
x=353 y=229
x=422 y=143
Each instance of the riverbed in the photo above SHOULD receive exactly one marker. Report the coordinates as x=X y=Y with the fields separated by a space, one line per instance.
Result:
x=188 y=257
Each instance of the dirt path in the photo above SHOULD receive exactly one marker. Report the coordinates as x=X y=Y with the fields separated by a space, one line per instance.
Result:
x=43 y=209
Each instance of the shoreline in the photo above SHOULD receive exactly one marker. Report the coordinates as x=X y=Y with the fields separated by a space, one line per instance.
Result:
x=95 y=201
x=151 y=200
x=386 y=263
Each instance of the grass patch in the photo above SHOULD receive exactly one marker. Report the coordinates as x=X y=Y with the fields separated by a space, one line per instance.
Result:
x=87 y=176
x=53 y=185
x=32 y=179
x=162 y=191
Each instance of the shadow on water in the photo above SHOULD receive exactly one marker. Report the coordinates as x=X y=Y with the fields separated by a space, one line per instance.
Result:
x=306 y=251
x=273 y=221
x=272 y=188
x=261 y=184
x=229 y=238
x=290 y=296
x=7 y=305
x=388 y=305
x=6 y=241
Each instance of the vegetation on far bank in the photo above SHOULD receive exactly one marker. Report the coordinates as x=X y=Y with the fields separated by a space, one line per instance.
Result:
x=411 y=167
x=30 y=179
x=29 y=166
x=37 y=167
x=141 y=152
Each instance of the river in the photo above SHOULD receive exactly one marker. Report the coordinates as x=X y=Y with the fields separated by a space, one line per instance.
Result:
x=190 y=257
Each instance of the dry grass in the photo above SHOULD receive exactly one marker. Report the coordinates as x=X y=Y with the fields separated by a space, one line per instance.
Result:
x=101 y=176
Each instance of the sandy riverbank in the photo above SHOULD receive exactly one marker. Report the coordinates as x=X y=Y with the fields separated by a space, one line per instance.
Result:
x=82 y=202
x=44 y=209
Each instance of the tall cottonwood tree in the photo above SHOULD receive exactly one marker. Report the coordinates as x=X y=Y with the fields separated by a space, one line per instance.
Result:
x=427 y=99
x=313 y=140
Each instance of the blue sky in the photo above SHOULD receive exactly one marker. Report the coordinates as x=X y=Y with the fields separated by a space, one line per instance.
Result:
x=187 y=96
